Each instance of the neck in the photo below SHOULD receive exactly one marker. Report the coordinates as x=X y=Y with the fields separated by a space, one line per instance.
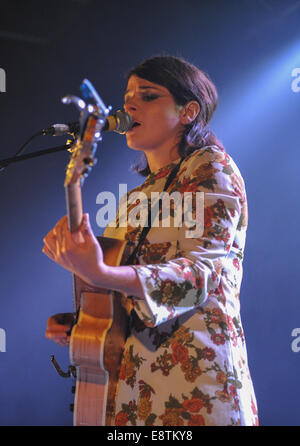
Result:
x=160 y=158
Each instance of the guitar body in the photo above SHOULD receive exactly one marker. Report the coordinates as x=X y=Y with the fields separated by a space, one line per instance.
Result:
x=97 y=343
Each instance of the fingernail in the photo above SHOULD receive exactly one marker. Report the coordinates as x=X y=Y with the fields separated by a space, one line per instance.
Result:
x=86 y=218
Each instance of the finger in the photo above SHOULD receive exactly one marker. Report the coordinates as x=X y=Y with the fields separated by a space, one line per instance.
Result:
x=59 y=240
x=64 y=240
x=72 y=239
x=57 y=336
x=75 y=237
x=61 y=342
x=86 y=225
x=63 y=221
x=50 y=241
x=50 y=238
x=67 y=239
x=48 y=252
x=64 y=343
x=86 y=229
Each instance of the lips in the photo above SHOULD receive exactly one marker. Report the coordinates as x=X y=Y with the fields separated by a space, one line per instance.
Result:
x=134 y=125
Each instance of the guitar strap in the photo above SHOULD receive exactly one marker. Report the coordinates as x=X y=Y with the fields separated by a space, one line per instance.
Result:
x=146 y=229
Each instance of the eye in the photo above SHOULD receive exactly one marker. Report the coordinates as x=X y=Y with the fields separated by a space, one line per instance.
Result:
x=149 y=97
x=146 y=97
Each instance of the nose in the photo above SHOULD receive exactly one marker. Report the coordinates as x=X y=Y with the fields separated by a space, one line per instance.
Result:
x=130 y=104
x=129 y=107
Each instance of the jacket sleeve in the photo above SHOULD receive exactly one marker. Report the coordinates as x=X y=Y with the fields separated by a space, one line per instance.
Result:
x=187 y=280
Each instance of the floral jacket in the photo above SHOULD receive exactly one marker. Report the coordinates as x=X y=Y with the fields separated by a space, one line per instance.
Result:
x=185 y=359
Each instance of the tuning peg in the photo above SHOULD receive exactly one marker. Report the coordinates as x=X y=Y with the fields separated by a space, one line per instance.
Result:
x=78 y=102
x=88 y=161
x=89 y=92
x=86 y=171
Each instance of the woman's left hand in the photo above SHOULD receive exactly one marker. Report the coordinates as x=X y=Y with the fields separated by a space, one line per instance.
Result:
x=79 y=251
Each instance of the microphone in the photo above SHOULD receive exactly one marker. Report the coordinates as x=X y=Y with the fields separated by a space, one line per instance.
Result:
x=119 y=122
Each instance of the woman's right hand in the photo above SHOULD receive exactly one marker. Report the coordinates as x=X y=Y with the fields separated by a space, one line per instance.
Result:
x=59 y=328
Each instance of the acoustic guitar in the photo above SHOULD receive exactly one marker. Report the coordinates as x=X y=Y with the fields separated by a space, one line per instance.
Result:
x=99 y=332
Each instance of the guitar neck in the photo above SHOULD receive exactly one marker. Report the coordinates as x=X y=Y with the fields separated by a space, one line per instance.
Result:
x=74 y=205
x=74 y=213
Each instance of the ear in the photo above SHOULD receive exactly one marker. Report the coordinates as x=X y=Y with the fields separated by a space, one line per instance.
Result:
x=189 y=112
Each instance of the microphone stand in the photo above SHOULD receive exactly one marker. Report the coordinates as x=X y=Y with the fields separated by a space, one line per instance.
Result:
x=5 y=162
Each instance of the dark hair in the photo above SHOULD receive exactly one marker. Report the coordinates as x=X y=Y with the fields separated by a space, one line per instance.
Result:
x=186 y=83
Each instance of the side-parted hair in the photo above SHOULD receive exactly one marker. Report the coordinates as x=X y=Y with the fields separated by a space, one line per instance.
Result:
x=186 y=83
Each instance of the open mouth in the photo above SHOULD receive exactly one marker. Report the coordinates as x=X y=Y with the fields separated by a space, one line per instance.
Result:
x=134 y=125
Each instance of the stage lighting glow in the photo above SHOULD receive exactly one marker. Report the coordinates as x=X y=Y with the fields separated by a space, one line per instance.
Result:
x=262 y=98
x=296 y=82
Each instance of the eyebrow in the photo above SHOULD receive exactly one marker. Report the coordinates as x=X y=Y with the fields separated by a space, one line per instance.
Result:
x=145 y=87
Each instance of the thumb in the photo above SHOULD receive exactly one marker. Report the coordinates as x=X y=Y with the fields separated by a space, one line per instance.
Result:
x=86 y=226
x=86 y=222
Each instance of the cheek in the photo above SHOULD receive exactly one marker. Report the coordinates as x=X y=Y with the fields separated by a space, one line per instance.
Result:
x=159 y=124
x=166 y=120
x=172 y=118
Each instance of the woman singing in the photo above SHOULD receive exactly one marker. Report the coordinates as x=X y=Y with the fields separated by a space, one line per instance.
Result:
x=185 y=359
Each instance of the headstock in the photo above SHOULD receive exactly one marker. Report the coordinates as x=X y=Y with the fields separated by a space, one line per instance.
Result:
x=92 y=119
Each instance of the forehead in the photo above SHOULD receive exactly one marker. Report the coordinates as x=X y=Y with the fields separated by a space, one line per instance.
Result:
x=137 y=83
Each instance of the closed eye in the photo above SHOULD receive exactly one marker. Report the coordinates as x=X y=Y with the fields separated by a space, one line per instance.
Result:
x=149 y=97
x=146 y=97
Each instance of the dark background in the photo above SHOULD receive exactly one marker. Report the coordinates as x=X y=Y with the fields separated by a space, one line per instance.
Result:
x=249 y=48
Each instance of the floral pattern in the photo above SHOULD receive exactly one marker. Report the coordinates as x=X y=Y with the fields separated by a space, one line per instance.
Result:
x=185 y=359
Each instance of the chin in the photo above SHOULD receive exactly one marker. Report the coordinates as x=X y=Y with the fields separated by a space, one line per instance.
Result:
x=133 y=145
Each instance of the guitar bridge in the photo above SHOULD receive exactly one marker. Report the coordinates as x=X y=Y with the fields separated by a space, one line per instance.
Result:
x=71 y=369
